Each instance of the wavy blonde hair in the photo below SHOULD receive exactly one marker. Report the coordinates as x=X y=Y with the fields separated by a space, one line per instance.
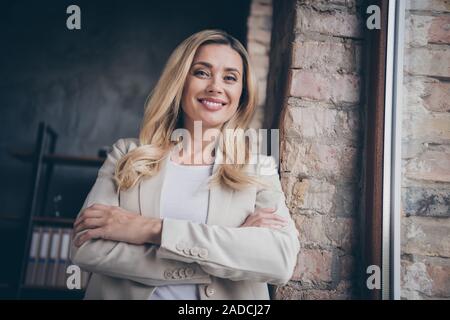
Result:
x=163 y=115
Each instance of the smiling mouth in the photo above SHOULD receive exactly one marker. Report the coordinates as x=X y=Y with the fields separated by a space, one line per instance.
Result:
x=210 y=105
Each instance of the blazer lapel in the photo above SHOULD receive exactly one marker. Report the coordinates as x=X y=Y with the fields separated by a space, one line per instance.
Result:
x=219 y=198
x=150 y=192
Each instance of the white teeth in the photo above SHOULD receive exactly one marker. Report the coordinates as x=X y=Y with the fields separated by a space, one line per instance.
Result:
x=212 y=104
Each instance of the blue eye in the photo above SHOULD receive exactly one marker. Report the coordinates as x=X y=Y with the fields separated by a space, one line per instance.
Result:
x=230 y=78
x=200 y=72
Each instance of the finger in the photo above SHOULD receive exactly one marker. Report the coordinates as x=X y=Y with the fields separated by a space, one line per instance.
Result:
x=268 y=209
x=270 y=222
x=271 y=216
x=275 y=216
x=99 y=206
x=89 y=213
x=277 y=227
x=275 y=222
x=273 y=225
x=90 y=223
x=90 y=234
x=280 y=218
x=263 y=225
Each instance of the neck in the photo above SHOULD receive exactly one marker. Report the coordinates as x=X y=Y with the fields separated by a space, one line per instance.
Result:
x=197 y=147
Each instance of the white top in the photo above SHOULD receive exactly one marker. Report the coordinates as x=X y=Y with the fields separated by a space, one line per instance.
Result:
x=184 y=196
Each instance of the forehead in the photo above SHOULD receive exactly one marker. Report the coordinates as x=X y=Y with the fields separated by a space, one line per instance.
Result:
x=220 y=56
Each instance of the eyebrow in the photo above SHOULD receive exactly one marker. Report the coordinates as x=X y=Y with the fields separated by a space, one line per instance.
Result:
x=208 y=65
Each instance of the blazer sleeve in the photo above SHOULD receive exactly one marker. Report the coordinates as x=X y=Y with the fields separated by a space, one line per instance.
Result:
x=122 y=260
x=251 y=253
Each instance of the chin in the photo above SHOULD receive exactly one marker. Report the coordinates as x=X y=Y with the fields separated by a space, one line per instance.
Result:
x=211 y=124
x=208 y=121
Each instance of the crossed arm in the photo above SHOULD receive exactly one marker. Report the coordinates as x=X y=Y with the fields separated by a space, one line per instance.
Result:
x=123 y=244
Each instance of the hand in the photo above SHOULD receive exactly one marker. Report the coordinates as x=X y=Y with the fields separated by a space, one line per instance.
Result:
x=114 y=223
x=265 y=218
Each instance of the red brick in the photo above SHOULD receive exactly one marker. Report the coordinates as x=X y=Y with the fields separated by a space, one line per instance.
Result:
x=333 y=88
x=259 y=8
x=427 y=61
x=334 y=23
x=320 y=160
x=431 y=165
x=313 y=266
x=438 y=98
x=440 y=276
x=425 y=236
x=428 y=5
x=330 y=57
x=258 y=35
x=439 y=31
x=429 y=93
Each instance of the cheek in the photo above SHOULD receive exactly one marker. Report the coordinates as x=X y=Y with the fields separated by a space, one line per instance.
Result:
x=231 y=110
x=236 y=96
x=189 y=92
x=191 y=86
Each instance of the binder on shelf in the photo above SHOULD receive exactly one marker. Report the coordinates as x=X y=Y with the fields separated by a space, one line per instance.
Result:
x=33 y=257
x=42 y=257
x=64 y=258
x=49 y=259
x=53 y=258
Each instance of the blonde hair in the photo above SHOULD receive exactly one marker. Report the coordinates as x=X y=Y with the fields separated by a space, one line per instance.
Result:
x=163 y=115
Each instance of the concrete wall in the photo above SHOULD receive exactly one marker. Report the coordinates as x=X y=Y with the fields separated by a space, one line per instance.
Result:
x=89 y=85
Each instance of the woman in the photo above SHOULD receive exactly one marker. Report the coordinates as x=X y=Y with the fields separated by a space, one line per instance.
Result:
x=157 y=225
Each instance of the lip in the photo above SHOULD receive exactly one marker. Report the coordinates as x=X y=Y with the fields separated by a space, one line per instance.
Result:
x=213 y=100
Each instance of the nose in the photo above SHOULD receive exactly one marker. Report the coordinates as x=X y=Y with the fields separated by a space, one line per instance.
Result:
x=214 y=86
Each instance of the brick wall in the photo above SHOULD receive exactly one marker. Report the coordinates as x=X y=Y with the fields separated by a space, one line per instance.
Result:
x=315 y=83
x=425 y=243
x=259 y=26
x=321 y=146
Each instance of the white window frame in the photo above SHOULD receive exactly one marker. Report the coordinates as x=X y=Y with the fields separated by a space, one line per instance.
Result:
x=392 y=151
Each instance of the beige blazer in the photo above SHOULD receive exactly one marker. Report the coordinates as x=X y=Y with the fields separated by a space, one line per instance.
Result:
x=226 y=261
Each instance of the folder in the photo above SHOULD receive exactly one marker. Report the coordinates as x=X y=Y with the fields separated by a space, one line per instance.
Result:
x=33 y=256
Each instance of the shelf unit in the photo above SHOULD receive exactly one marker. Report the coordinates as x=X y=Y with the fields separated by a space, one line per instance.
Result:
x=43 y=160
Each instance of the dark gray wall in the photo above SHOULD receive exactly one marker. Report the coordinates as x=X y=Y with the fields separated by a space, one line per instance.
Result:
x=89 y=85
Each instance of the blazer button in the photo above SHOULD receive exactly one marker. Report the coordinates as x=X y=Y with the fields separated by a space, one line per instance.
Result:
x=175 y=274
x=194 y=251
x=189 y=272
x=203 y=253
x=209 y=291
x=168 y=274
x=180 y=246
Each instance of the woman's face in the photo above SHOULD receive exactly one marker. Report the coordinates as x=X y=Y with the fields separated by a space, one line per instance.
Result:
x=213 y=86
